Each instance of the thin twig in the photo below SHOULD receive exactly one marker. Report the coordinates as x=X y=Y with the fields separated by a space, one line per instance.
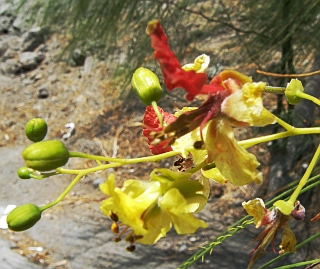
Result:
x=288 y=75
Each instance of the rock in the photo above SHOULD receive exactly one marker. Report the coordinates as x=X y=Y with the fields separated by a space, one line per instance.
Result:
x=43 y=91
x=12 y=45
x=3 y=47
x=30 y=60
x=11 y=66
x=5 y=23
x=77 y=58
x=32 y=39
x=88 y=64
x=97 y=182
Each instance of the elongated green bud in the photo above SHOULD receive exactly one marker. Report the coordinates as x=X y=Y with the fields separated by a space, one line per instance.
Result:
x=146 y=85
x=292 y=90
x=23 y=217
x=36 y=129
x=46 y=155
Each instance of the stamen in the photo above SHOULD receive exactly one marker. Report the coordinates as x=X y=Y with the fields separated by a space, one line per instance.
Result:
x=115 y=227
x=131 y=248
x=113 y=216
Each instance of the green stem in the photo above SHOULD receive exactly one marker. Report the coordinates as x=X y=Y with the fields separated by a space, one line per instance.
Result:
x=65 y=192
x=296 y=131
x=285 y=125
x=154 y=158
x=277 y=90
x=305 y=177
x=308 y=97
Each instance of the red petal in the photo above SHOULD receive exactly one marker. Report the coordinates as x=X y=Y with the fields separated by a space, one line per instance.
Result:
x=152 y=124
x=174 y=75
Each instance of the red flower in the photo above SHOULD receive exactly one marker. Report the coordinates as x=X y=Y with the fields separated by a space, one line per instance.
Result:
x=152 y=127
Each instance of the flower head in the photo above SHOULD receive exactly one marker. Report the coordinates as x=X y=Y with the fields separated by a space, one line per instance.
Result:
x=206 y=133
x=148 y=209
x=273 y=220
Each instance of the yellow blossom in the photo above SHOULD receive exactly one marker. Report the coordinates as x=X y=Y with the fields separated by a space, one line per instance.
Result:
x=151 y=207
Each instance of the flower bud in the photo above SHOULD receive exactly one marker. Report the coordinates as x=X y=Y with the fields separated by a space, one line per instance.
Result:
x=146 y=85
x=294 y=86
x=46 y=155
x=36 y=129
x=23 y=217
x=25 y=172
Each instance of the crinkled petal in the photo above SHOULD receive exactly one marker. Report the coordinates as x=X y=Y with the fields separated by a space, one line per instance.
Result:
x=173 y=203
x=246 y=105
x=256 y=209
x=152 y=125
x=235 y=163
x=200 y=64
x=289 y=242
x=174 y=75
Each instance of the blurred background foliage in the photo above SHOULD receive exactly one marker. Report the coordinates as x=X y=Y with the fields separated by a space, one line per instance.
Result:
x=280 y=35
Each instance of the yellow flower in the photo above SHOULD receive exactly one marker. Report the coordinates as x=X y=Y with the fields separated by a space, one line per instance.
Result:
x=273 y=220
x=148 y=209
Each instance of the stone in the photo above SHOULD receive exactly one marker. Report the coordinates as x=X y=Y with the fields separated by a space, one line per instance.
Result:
x=5 y=23
x=30 y=60
x=3 y=47
x=43 y=91
x=11 y=66
x=32 y=39
x=77 y=58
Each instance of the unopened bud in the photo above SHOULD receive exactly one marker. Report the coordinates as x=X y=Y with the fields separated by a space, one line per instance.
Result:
x=23 y=217
x=146 y=85
x=46 y=155
x=36 y=129
x=25 y=172
x=294 y=86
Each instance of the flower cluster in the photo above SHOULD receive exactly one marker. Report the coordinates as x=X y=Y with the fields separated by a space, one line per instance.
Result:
x=206 y=132
x=203 y=139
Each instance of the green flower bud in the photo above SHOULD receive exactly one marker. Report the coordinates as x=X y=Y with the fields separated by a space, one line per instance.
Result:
x=25 y=172
x=46 y=155
x=146 y=85
x=36 y=129
x=23 y=217
x=293 y=88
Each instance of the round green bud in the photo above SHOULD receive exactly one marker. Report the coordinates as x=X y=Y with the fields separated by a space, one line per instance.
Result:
x=146 y=85
x=23 y=217
x=46 y=155
x=36 y=129
x=292 y=90
x=25 y=172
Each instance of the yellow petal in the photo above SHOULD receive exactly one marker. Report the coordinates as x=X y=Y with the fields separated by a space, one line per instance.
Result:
x=200 y=64
x=157 y=225
x=246 y=105
x=215 y=175
x=173 y=203
x=256 y=209
x=235 y=163
x=288 y=243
